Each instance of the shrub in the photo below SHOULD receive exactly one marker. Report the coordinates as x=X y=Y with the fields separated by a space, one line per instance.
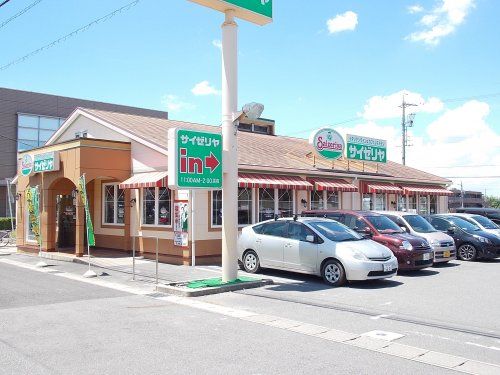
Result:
x=5 y=223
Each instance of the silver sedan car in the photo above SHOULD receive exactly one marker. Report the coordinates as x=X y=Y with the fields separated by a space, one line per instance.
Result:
x=316 y=246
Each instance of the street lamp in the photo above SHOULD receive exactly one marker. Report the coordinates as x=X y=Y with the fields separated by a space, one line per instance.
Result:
x=252 y=111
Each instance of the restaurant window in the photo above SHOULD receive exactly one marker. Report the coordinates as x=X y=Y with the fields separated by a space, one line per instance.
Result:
x=332 y=200
x=266 y=204
x=380 y=202
x=317 y=200
x=422 y=205
x=216 y=207
x=245 y=203
x=367 y=204
x=285 y=202
x=156 y=206
x=113 y=204
x=433 y=200
x=412 y=203
x=401 y=203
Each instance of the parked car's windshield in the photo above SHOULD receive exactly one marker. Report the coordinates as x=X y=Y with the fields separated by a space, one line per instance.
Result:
x=464 y=224
x=335 y=231
x=419 y=224
x=384 y=224
x=485 y=222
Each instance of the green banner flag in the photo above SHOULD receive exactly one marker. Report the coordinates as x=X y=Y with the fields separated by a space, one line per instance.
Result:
x=33 y=200
x=88 y=219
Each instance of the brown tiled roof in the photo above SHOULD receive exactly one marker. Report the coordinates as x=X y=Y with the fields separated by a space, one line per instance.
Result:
x=276 y=154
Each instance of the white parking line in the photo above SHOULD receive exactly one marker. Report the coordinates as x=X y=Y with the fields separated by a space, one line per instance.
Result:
x=361 y=341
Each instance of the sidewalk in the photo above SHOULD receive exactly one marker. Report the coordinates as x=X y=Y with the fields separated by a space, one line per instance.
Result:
x=145 y=269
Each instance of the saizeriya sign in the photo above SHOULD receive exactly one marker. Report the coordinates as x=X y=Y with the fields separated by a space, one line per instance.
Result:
x=46 y=162
x=194 y=159
x=328 y=143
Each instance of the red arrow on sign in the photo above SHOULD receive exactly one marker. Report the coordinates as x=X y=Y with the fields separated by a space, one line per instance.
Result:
x=211 y=162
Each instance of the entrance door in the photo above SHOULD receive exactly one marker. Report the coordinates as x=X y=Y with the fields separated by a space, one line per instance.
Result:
x=66 y=221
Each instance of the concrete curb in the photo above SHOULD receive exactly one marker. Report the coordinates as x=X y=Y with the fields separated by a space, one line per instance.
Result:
x=176 y=290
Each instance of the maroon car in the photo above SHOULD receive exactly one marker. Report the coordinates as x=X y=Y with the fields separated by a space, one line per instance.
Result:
x=411 y=251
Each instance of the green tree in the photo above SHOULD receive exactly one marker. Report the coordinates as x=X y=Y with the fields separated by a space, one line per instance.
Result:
x=492 y=201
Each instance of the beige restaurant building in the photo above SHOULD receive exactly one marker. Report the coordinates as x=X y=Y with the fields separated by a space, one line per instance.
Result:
x=124 y=158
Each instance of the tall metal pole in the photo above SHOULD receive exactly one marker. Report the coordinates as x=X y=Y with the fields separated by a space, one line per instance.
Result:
x=230 y=147
x=403 y=130
x=462 y=193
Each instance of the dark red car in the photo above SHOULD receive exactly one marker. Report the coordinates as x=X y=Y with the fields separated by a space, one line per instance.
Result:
x=411 y=251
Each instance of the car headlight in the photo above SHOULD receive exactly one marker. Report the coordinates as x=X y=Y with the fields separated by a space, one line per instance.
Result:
x=405 y=245
x=481 y=239
x=435 y=243
x=359 y=255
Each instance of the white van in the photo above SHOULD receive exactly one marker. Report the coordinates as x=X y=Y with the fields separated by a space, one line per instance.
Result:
x=442 y=244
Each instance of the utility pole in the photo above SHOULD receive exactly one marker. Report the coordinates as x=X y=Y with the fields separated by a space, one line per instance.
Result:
x=405 y=124
x=462 y=193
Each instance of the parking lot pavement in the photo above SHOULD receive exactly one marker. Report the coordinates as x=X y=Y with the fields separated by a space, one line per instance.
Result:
x=452 y=308
x=59 y=326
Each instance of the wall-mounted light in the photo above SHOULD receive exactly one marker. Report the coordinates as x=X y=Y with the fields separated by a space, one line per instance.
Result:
x=18 y=196
x=74 y=192
x=304 y=202
x=133 y=201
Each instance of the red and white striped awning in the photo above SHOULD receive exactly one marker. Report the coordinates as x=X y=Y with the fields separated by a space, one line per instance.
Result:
x=247 y=180
x=332 y=185
x=425 y=190
x=381 y=187
x=142 y=180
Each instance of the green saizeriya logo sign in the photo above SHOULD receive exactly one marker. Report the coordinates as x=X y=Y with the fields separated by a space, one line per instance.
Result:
x=328 y=143
x=263 y=7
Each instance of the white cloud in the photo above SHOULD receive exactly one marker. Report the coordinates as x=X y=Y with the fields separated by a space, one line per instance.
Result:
x=342 y=22
x=385 y=107
x=174 y=104
x=441 y=21
x=415 y=9
x=217 y=43
x=458 y=137
x=204 y=88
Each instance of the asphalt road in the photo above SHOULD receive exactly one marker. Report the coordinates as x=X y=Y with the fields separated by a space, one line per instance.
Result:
x=52 y=325
x=452 y=308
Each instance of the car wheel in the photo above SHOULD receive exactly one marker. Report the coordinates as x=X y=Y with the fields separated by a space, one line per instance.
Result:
x=467 y=252
x=251 y=262
x=333 y=273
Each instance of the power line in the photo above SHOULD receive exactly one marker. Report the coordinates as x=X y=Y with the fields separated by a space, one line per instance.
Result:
x=19 y=13
x=464 y=166
x=472 y=176
x=71 y=34
x=15 y=140
x=481 y=96
x=3 y=3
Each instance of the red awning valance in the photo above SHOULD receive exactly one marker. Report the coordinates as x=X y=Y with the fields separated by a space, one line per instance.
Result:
x=142 y=180
x=248 y=180
x=381 y=187
x=332 y=185
x=423 y=189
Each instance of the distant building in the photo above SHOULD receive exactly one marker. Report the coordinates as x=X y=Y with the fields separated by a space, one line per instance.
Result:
x=29 y=119
x=471 y=199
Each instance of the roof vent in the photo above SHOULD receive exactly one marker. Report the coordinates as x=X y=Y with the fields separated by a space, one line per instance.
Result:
x=81 y=134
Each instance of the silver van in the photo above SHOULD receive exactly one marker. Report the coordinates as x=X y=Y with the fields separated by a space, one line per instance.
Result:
x=442 y=244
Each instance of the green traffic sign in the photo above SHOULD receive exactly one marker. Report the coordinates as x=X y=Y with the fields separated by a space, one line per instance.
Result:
x=259 y=12
x=366 y=149
x=196 y=162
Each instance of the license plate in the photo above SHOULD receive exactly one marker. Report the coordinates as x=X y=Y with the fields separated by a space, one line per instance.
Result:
x=387 y=267
x=446 y=254
x=427 y=256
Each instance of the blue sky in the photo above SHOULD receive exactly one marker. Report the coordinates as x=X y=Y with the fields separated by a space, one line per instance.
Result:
x=307 y=70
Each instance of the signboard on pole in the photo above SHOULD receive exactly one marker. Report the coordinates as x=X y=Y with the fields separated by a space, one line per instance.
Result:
x=328 y=143
x=366 y=149
x=194 y=159
x=181 y=216
x=259 y=12
x=88 y=219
